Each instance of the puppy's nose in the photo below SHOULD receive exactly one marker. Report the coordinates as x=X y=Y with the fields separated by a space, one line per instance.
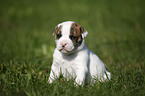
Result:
x=64 y=44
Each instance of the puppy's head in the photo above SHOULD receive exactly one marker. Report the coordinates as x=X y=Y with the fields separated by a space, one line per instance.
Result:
x=69 y=37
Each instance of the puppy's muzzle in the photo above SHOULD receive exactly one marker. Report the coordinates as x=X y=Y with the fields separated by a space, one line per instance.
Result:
x=63 y=45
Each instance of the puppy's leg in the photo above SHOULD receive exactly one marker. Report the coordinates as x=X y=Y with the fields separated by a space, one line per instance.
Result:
x=54 y=74
x=81 y=75
x=107 y=76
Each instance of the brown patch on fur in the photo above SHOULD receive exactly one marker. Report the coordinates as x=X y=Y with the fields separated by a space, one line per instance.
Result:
x=57 y=32
x=76 y=34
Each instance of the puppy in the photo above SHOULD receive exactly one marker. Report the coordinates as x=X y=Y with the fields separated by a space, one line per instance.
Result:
x=73 y=59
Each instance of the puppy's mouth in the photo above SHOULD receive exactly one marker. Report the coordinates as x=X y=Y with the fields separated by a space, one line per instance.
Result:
x=63 y=50
x=68 y=52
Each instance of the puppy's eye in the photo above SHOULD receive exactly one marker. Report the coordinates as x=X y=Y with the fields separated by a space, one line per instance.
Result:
x=58 y=36
x=72 y=37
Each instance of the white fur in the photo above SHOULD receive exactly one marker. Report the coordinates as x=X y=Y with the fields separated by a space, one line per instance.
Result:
x=83 y=64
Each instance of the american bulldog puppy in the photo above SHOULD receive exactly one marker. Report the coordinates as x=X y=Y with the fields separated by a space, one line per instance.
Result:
x=73 y=59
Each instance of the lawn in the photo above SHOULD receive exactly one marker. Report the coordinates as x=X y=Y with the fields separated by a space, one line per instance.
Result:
x=116 y=34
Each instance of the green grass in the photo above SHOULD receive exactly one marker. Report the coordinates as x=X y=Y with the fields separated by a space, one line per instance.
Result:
x=116 y=34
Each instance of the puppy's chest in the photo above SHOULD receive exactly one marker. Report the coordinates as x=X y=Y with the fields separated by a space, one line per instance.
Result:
x=68 y=68
x=68 y=65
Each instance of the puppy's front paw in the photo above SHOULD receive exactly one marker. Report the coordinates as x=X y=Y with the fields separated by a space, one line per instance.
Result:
x=50 y=80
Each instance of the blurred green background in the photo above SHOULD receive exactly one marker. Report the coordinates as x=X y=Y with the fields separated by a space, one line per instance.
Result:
x=116 y=34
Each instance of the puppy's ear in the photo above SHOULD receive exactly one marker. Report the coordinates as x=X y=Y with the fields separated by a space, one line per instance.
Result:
x=55 y=30
x=83 y=32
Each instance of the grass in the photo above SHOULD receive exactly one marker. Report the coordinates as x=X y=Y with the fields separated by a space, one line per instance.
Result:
x=116 y=34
